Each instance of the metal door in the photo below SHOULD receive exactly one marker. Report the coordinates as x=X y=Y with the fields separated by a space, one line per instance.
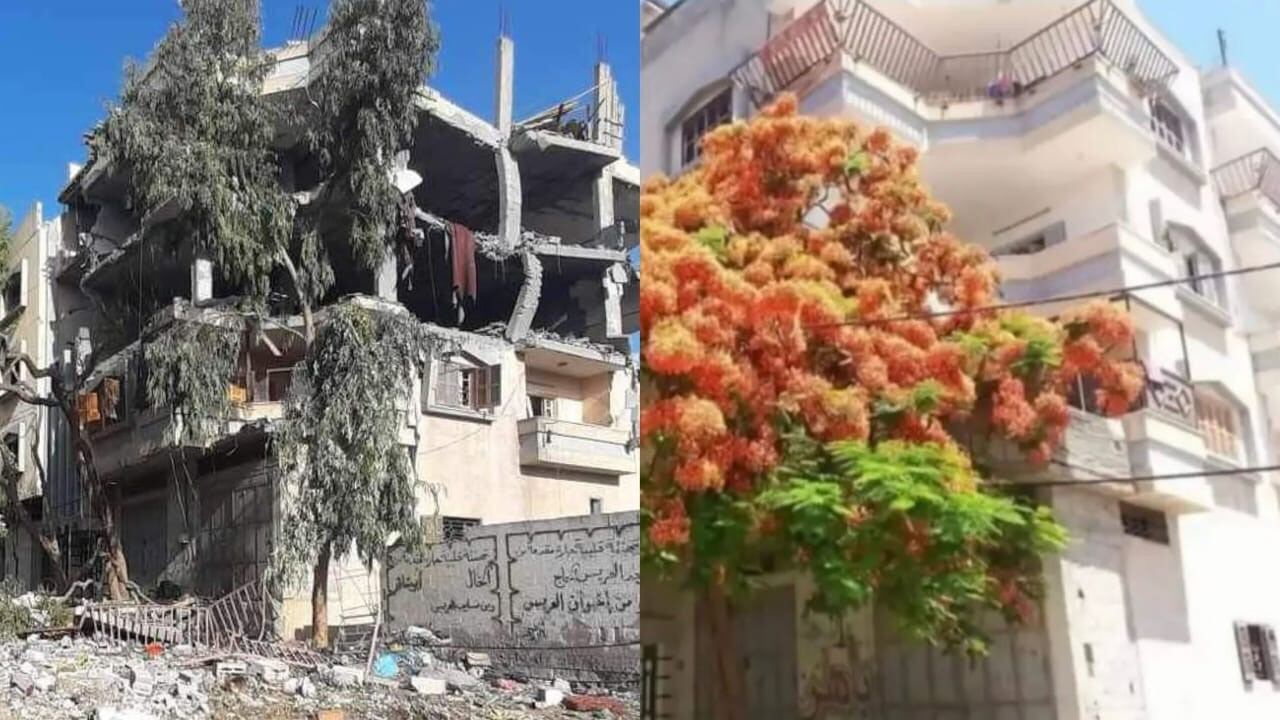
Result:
x=765 y=632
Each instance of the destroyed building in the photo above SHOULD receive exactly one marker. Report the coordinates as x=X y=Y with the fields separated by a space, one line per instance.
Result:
x=531 y=415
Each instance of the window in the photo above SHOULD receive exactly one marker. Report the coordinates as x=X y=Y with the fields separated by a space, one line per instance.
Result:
x=1197 y=260
x=14 y=447
x=597 y=506
x=464 y=387
x=1167 y=125
x=15 y=289
x=542 y=406
x=1220 y=424
x=1029 y=246
x=716 y=111
x=1144 y=523
x=1259 y=658
x=278 y=382
x=455 y=528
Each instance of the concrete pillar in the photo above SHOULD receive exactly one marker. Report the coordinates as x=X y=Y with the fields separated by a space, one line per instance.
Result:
x=615 y=279
x=602 y=203
x=509 y=198
x=607 y=128
x=502 y=86
x=201 y=280
x=527 y=301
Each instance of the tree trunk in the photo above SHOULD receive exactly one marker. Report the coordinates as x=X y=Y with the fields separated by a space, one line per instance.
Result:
x=115 y=569
x=320 y=599
x=729 y=701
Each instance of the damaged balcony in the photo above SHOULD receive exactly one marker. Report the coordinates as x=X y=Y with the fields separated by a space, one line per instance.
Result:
x=128 y=432
x=577 y=421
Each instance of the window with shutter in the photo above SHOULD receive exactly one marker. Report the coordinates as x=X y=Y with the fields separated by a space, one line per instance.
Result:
x=1273 y=654
x=449 y=389
x=1256 y=646
x=481 y=382
x=468 y=388
x=1245 y=651
x=495 y=386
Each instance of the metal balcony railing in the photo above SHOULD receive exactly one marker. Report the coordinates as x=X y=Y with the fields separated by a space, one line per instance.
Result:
x=1258 y=171
x=1096 y=28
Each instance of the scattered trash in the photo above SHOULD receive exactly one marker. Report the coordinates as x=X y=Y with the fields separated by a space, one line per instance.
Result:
x=386 y=666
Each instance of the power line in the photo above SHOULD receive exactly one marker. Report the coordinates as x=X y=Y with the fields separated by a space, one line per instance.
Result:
x=1104 y=479
x=1124 y=290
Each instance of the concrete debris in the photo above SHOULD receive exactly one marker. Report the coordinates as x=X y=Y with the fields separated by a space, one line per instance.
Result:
x=548 y=697
x=428 y=685
x=81 y=677
x=343 y=676
x=421 y=636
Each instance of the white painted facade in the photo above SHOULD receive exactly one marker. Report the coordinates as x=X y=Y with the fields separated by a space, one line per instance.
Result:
x=1100 y=189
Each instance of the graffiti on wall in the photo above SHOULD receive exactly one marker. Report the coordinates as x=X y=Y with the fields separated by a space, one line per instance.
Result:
x=590 y=573
x=564 y=582
x=834 y=684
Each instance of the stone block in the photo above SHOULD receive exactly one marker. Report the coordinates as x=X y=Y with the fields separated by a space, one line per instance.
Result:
x=428 y=685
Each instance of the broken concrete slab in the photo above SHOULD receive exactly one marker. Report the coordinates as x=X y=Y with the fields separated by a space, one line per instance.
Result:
x=345 y=676
x=454 y=678
x=549 y=697
x=428 y=685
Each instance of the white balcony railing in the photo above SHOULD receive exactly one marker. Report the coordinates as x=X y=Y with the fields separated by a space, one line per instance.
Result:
x=1096 y=28
x=1258 y=171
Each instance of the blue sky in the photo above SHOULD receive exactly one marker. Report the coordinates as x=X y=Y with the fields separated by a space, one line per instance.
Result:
x=61 y=62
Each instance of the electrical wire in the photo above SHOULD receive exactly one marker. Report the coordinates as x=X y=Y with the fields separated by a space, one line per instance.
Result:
x=1105 y=479
x=1070 y=297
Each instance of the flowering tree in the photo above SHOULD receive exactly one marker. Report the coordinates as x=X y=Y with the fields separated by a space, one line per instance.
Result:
x=824 y=375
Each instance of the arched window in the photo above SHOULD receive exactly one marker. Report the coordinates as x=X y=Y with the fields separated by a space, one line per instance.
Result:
x=709 y=108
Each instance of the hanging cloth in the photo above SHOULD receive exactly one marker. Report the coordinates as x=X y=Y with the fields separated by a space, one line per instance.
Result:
x=464 y=261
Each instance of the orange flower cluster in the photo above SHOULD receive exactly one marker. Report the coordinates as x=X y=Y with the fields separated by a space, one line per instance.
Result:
x=792 y=277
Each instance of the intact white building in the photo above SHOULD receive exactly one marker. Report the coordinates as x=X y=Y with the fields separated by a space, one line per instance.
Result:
x=1087 y=153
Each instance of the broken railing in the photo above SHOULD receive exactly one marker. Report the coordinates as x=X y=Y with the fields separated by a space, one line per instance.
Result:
x=1096 y=28
x=1258 y=171
x=238 y=622
x=594 y=115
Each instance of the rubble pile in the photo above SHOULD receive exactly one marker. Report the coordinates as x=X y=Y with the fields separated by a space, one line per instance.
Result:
x=45 y=678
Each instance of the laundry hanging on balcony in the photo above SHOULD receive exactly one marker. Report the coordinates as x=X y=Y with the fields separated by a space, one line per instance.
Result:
x=464 y=266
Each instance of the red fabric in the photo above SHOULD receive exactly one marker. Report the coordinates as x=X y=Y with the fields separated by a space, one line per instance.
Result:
x=464 y=261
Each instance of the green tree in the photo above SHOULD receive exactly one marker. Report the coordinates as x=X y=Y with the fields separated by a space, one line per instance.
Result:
x=199 y=138
x=347 y=479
